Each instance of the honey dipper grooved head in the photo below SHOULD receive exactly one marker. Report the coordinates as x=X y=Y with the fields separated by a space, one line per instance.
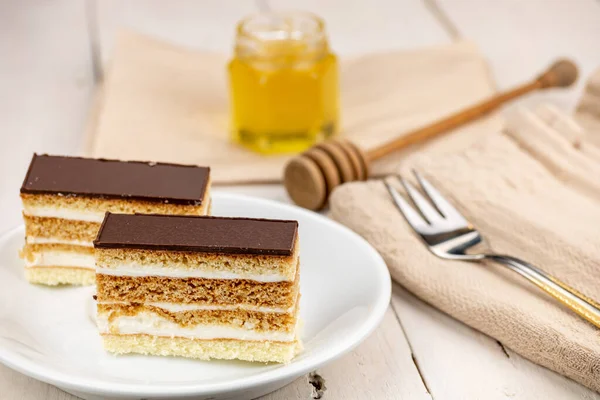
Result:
x=341 y=160
x=311 y=177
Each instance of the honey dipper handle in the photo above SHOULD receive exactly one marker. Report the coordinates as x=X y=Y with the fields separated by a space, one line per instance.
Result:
x=562 y=73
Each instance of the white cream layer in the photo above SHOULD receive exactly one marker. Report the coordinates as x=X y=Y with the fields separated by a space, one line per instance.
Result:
x=64 y=213
x=42 y=240
x=57 y=258
x=137 y=270
x=155 y=325
x=180 y=307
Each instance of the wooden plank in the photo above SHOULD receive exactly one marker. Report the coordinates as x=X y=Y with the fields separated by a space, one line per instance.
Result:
x=380 y=368
x=458 y=362
x=146 y=18
x=360 y=27
x=521 y=38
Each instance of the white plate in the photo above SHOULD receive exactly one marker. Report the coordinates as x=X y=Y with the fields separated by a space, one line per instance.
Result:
x=49 y=334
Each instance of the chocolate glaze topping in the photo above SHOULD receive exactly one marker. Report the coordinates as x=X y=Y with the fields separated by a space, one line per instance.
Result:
x=198 y=234
x=75 y=176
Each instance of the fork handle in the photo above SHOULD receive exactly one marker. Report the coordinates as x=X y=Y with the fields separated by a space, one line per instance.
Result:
x=569 y=297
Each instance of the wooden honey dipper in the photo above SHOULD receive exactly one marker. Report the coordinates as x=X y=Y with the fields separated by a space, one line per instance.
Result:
x=310 y=177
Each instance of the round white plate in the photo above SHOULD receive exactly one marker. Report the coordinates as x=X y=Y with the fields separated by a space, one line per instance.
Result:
x=49 y=333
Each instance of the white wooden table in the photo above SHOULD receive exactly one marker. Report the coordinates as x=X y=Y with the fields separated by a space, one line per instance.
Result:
x=52 y=55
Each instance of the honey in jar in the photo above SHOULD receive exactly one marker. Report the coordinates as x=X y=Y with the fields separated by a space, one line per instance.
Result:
x=283 y=83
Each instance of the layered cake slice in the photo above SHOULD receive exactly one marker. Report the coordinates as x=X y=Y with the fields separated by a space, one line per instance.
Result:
x=199 y=287
x=65 y=199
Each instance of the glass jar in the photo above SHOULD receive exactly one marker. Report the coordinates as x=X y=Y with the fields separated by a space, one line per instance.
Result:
x=283 y=83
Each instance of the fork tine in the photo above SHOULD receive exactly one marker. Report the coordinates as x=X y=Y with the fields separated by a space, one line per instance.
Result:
x=440 y=201
x=412 y=217
x=429 y=212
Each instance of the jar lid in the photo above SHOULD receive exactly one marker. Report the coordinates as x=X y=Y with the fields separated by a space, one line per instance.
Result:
x=280 y=35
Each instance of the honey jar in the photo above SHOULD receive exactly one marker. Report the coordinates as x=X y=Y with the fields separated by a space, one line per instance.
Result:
x=283 y=83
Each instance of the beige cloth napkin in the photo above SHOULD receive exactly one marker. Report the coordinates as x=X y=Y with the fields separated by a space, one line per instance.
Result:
x=533 y=191
x=162 y=102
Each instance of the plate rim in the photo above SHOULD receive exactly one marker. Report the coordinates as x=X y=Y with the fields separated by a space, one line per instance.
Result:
x=289 y=371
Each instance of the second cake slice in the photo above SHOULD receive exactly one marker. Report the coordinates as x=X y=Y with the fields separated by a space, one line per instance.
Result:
x=65 y=199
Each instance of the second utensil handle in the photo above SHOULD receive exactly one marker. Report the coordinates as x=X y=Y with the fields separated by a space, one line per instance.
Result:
x=452 y=121
x=569 y=297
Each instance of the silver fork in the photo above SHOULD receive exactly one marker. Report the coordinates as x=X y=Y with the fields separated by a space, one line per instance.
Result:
x=449 y=235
